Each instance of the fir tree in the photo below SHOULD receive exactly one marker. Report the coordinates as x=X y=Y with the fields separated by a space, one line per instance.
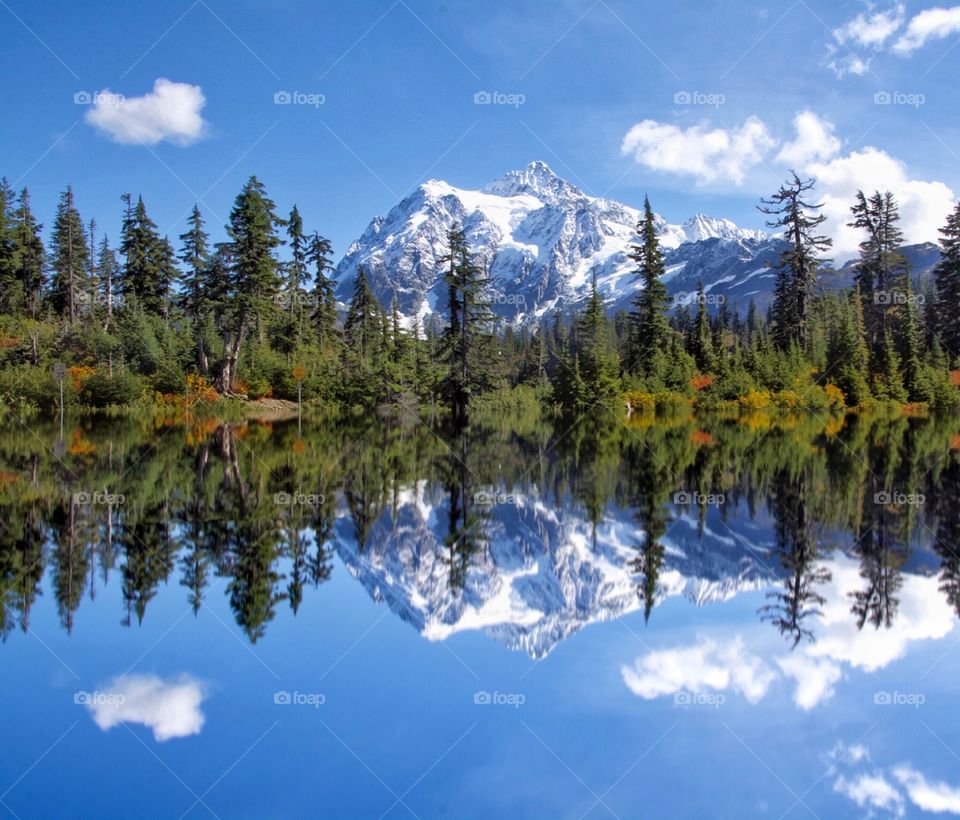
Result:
x=650 y=327
x=947 y=277
x=68 y=258
x=28 y=255
x=197 y=295
x=797 y=272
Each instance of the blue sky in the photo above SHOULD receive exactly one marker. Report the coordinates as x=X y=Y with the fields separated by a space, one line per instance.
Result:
x=696 y=103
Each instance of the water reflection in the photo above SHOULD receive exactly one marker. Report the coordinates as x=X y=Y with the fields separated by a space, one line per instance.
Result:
x=514 y=527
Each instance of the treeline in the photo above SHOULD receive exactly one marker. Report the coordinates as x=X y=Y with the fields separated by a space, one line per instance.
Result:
x=148 y=319
x=879 y=342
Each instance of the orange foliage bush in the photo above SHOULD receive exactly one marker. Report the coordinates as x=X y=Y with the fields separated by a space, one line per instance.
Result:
x=79 y=375
x=701 y=382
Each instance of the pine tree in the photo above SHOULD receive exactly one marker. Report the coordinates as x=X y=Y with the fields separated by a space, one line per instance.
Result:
x=9 y=292
x=701 y=339
x=318 y=254
x=881 y=271
x=947 y=277
x=109 y=269
x=68 y=258
x=149 y=267
x=28 y=255
x=797 y=272
x=254 y=272
x=468 y=325
x=196 y=297
x=597 y=362
x=651 y=329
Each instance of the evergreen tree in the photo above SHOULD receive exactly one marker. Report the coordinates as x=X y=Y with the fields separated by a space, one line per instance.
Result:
x=68 y=258
x=253 y=271
x=149 y=267
x=650 y=327
x=196 y=297
x=318 y=254
x=701 y=339
x=28 y=255
x=597 y=362
x=797 y=273
x=468 y=325
x=947 y=277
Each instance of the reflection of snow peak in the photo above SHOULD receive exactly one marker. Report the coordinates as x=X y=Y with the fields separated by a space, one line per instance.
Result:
x=171 y=708
x=814 y=667
x=540 y=576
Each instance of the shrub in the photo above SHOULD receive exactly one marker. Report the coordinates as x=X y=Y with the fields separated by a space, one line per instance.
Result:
x=100 y=390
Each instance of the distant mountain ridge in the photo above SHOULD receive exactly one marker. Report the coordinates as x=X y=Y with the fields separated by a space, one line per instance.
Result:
x=541 y=240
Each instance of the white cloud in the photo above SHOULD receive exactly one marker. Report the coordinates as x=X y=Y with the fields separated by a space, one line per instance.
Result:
x=937 y=797
x=929 y=24
x=849 y=64
x=814 y=141
x=871 y=791
x=924 y=205
x=171 y=708
x=708 y=665
x=714 y=155
x=871 y=29
x=170 y=112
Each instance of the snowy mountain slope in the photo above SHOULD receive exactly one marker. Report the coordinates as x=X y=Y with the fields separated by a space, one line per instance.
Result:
x=539 y=238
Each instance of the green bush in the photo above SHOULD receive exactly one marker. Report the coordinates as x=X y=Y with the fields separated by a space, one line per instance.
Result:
x=100 y=390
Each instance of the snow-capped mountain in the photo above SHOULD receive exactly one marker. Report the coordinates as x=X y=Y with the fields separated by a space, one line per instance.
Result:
x=540 y=240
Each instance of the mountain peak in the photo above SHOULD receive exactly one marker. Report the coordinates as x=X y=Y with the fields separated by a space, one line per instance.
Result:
x=537 y=179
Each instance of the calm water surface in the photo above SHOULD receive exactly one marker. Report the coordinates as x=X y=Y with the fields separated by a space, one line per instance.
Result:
x=679 y=619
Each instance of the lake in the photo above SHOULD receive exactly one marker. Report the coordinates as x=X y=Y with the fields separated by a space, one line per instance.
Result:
x=673 y=617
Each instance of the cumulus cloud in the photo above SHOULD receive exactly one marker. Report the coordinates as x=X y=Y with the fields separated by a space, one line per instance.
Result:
x=708 y=665
x=708 y=155
x=929 y=24
x=814 y=140
x=932 y=796
x=849 y=64
x=727 y=155
x=170 y=112
x=871 y=29
x=871 y=791
x=171 y=708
